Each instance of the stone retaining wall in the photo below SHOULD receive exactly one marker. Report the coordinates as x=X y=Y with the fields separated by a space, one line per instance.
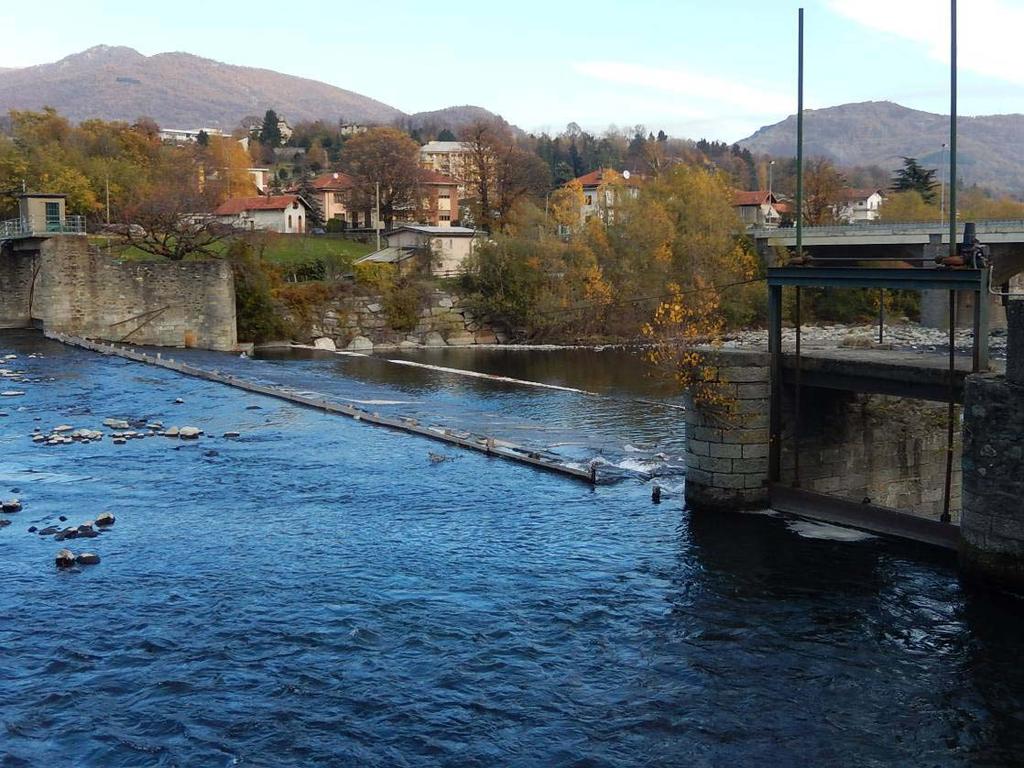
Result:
x=73 y=289
x=360 y=323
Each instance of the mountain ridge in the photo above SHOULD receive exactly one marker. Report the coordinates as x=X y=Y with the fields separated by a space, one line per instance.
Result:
x=990 y=147
x=182 y=90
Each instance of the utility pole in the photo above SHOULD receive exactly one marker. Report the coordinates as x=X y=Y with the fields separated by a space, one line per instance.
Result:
x=107 y=184
x=942 y=188
x=376 y=221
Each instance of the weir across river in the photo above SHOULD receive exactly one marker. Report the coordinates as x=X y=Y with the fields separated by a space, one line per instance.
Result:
x=481 y=443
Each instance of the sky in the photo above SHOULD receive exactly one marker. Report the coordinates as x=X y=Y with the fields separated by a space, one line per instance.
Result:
x=718 y=69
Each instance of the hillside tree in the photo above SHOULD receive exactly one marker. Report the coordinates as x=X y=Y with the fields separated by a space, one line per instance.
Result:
x=914 y=177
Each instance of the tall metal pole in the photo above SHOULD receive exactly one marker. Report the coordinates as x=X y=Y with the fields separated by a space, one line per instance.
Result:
x=952 y=132
x=376 y=219
x=800 y=138
x=946 y=517
x=942 y=187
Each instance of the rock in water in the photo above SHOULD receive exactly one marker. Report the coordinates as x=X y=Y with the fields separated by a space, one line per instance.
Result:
x=88 y=558
x=104 y=519
x=232 y=434
x=171 y=432
x=189 y=433
x=65 y=558
x=116 y=423
x=49 y=530
x=4 y=523
x=10 y=506
x=178 y=401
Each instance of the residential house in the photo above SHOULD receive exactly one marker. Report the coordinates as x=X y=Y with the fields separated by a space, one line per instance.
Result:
x=757 y=209
x=446 y=157
x=351 y=129
x=285 y=214
x=601 y=190
x=859 y=205
x=443 y=250
x=440 y=199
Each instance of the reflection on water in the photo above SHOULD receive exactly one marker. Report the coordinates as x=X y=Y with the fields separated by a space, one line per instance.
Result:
x=318 y=592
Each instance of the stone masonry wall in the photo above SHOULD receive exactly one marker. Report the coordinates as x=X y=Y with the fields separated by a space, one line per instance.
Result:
x=360 y=323
x=889 y=450
x=16 y=271
x=992 y=529
x=81 y=292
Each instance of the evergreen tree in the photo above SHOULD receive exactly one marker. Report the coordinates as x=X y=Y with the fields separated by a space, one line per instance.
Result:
x=203 y=139
x=446 y=135
x=914 y=177
x=270 y=133
x=315 y=216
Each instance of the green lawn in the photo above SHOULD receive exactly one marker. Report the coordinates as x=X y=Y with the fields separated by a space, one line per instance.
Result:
x=286 y=250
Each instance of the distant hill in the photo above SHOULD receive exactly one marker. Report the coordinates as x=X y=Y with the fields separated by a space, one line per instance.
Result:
x=990 y=149
x=180 y=90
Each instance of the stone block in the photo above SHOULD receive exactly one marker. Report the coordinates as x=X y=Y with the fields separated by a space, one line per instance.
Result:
x=698 y=447
x=709 y=464
x=744 y=374
x=708 y=434
x=729 y=480
x=725 y=451
x=755 y=451
x=752 y=391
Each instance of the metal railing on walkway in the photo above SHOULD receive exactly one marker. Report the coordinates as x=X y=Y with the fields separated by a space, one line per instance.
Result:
x=13 y=229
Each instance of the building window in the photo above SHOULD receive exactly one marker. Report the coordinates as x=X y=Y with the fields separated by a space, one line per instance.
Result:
x=339 y=198
x=446 y=217
x=444 y=196
x=289 y=221
x=589 y=200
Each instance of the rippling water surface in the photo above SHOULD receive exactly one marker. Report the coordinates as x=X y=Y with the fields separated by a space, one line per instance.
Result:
x=319 y=592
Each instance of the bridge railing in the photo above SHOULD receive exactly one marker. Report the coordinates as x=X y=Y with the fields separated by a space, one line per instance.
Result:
x=886 y=228
x=31 y=227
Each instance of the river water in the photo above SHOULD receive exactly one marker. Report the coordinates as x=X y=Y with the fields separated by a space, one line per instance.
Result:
x=320 y=592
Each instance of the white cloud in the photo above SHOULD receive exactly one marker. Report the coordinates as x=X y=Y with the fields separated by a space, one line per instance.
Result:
x=707 y=91
x=988 y=31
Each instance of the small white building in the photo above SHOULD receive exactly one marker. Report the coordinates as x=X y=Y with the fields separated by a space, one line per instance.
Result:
x=187 y=135
x=446 y=247
x=859 y=205
x=285 y=214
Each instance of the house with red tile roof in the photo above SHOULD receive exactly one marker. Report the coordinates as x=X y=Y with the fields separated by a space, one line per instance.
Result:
x=758 y=208
x=274 y=213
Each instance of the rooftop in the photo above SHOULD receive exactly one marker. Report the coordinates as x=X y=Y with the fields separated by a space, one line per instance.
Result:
x=238 y=205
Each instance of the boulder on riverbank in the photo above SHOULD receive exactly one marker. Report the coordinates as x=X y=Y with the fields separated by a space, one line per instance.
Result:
x=360 y=344
x=11 y=505
x=325 y=342
x=104 y=519
x=189 y=433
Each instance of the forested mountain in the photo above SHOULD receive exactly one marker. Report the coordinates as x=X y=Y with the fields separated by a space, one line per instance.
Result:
x=879 y=133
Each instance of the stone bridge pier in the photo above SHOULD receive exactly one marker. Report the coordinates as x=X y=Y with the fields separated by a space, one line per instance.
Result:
x=992 y=530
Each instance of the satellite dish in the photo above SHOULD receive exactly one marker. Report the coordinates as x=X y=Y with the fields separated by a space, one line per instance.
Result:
x=625 y=175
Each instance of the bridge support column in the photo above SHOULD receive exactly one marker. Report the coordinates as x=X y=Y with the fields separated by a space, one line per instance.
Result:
x=992 y=527
x=727 y=453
